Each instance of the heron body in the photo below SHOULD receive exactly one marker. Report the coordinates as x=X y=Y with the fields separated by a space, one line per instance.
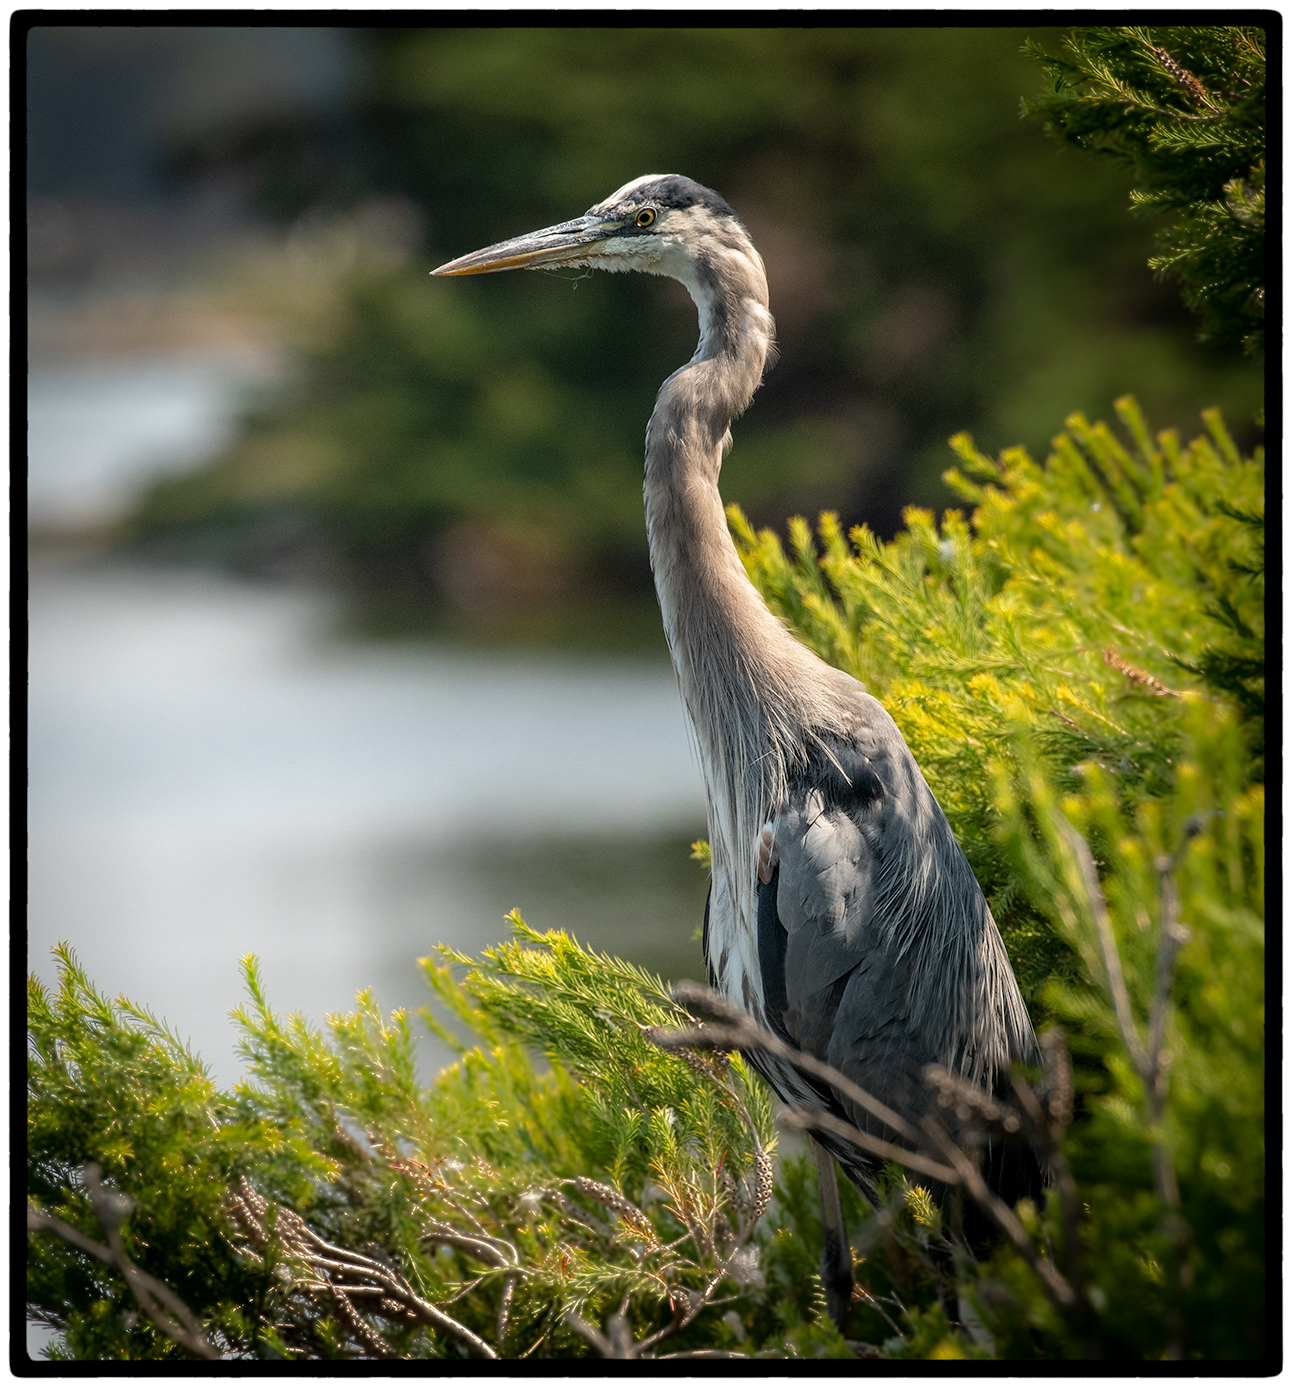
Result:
x=842 y=913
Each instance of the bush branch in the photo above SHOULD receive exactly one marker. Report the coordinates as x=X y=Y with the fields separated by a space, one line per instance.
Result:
x=344 y=1271
x=738 y=1031
x=166 y=1310
x=1107 y=945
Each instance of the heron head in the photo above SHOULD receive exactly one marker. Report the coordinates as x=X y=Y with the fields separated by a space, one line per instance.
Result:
x=659 y=224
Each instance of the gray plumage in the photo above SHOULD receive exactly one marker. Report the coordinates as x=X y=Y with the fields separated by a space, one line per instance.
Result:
x=842 y=912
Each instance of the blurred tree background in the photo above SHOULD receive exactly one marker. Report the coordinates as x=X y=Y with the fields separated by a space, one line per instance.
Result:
x=470 y=455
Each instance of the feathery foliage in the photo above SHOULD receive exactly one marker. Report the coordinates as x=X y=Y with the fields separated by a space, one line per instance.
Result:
x=1082 y=595
x=1064 y=667
x=107 y=1082
x=1087 y=654
x=503 y=1204
x=1184 y=106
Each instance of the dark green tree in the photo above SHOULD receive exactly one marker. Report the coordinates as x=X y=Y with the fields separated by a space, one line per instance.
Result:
x=1184 y=107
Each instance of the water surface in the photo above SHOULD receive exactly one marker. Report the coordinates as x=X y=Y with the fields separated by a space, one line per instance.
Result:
x=212 y=776
x=213 y=772
x=100 y=430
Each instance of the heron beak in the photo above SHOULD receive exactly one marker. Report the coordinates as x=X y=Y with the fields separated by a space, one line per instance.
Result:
x=566 y=244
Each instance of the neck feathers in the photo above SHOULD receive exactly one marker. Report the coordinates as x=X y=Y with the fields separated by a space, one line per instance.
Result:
x=751 y=691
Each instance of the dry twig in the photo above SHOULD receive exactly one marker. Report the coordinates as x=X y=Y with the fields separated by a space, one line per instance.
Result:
x=343 y=1274
x=737 y=1031
x=166 y=1310
x=1149 y=1062
x=1138 y=676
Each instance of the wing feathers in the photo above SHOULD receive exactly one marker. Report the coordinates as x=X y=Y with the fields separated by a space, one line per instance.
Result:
x=771 y=955
x=877 y=950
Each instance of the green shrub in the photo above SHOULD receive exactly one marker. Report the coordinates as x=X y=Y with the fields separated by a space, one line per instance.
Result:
x=1077 y=670
x=1088 y=655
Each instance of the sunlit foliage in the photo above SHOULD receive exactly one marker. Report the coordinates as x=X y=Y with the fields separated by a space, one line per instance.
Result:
x=1062 y=664
x=1086 y=652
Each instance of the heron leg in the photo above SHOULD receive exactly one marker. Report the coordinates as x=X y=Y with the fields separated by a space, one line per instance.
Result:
x=836 y=1258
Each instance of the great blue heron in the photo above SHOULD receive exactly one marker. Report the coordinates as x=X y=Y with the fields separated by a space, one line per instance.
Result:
x=842 y=914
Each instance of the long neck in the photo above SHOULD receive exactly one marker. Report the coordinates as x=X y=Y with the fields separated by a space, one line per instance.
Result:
x=751 y=691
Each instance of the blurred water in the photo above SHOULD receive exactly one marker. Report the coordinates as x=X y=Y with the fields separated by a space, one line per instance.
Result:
x=97 y=430
x=212 y=774
x=210 y=777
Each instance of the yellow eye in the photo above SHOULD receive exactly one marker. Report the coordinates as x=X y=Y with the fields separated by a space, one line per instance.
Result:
x=645 y=216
